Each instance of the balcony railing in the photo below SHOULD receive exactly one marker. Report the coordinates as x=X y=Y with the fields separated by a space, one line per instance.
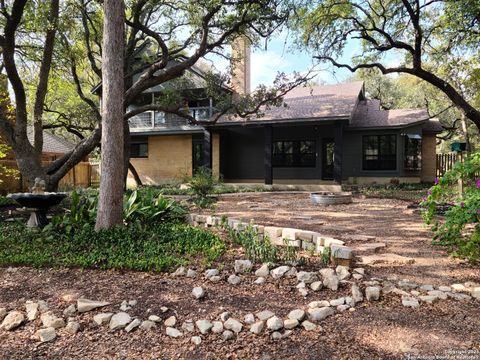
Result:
x=158 y=119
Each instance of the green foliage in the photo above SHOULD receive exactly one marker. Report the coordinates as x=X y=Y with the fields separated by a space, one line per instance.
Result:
x=141 y=208
x=260 y=249
x=4 y=170
x=326 y=253
x=459 y=230
x=157 y=247
x=202 y=184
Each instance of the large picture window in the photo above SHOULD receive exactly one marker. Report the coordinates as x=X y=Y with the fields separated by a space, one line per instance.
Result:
x=139 y=148
x=413 y=152
x=379 y=152
x=298 y=153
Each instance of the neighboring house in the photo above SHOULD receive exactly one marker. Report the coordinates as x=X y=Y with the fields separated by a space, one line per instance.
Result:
x=325 y=135
x=53 y=146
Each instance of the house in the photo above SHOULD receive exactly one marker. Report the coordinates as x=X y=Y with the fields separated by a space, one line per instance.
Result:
x=325 y=135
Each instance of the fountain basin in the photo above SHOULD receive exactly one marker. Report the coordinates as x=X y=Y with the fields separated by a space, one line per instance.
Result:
x=37 y=204
x=330 y=198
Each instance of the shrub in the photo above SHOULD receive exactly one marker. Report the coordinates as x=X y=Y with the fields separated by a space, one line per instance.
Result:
x=459 y=229
x=202 y=184
x=158 y=247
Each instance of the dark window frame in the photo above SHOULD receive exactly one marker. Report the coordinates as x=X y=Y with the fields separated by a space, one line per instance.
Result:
x=381 y=159
x=135 y=148
x=288 y=154
x=412 y=159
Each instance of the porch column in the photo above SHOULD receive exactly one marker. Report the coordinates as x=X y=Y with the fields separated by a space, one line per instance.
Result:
x=207 y=148
x=268 y=155
x=338 y=153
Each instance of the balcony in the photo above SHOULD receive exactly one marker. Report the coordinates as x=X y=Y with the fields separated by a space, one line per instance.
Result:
x=157 y=120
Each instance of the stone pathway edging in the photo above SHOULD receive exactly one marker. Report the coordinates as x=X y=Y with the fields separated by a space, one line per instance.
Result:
x=278 y=236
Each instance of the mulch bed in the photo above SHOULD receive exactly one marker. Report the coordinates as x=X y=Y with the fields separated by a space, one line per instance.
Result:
x=380 y=330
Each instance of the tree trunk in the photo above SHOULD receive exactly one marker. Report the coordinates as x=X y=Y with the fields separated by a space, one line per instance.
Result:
x=110 y=203
x=465 y=134
x=135 y=175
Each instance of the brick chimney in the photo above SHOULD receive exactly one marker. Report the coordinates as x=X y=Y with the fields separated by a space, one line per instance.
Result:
x=241 y=65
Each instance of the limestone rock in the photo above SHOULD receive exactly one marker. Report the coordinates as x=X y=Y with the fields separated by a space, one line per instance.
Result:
x=3 y=313
x=290 y=324
x=32 y=310
x=318 y=314
x=191 y=273
x=172 y=332
x=227 y=335
x=458 y=287
x=49 y=319
x=84 y=305
x=274 y=323
x=319 y=304
x=242 y=266
x=292 y=272
x=372 y=293
x=119 y=321
x=203 y=326
x=336 y=302
x=445 y=288
x=148 y=325
x=70 y=310
x=45 y=335
x=134 y=324
x=257 y=327
x=72 y=327
x=102 y=318
x=217 y=327
x=224 y=316
x=215 y=279
x=154 y=318
x=196 y=340
x=297 y=314
x=234 y=279
x=42 y=305
x=331 y=282
x=264 y=315
x=357 y=294
x=428 y=298
x=171 y=321
x=307 y=277
x=326 y=272
x=307 y=325
x=316 y=285
x=233 y=324
x=303 y=292
x=211 y=273
x=13 y=320
x=263 y=271
x=342 y=308
x=439 y=294
x=276 y=335
x=188 y=326
x=198 y=292
x=476 y=293
x=249 y=319
x=426 y=287
x=343 y=272
x=410 y=302
x=259 y=281
x=278 y=272
x=181 y=271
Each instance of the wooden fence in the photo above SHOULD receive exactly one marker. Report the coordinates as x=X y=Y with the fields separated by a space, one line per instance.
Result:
x=83 y=175
x=445 y=162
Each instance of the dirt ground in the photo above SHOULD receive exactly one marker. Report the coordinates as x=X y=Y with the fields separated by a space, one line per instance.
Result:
x=380 y=330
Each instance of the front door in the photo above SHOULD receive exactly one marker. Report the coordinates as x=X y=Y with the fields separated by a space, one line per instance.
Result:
x=197 y=154
x=328 y=147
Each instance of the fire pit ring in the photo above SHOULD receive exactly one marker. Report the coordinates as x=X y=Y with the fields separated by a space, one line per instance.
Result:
x=330 y=198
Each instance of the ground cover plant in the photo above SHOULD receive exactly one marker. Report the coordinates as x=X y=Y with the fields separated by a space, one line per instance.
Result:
x=459 y=228
x=154 y=237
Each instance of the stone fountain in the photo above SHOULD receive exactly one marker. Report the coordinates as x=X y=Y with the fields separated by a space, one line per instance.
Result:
x=37 y=202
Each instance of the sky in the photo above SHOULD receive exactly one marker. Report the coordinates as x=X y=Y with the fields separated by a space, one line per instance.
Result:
x=279 y=56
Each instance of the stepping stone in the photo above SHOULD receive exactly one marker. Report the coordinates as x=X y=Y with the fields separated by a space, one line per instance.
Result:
x=388 y=258
x=369 y=248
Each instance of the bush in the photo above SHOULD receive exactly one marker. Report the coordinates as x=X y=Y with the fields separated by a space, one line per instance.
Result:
x=202 y=184
x=158 y=247
x=459 y=230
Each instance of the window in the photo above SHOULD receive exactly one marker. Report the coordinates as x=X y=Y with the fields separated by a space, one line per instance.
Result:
x=294 y=153
x=159 y=119
x=139 y=148
x=413 y=152
x=380 y=152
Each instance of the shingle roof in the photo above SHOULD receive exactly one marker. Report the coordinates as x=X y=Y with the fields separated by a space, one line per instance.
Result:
x=369 y=115
x=52 y=143
x=311 y=102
